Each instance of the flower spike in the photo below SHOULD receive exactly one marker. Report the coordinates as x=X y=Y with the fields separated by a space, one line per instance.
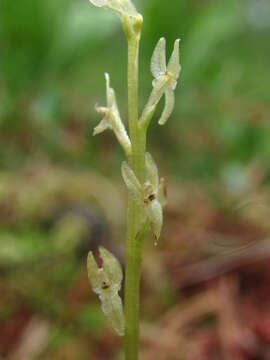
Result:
x=165 y=81
x=106 y=282
x=112 y=119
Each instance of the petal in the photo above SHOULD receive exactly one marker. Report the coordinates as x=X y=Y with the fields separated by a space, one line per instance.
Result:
x=154 y=212
x=132 y=183
x=103 y=125
x=158 y=61
x=122 y=7
x=109 y=92
x=173 y=65
x=120 y=131
x=113 y=309
x=112 y=269
x=99 y=3
x=169 y=105
x=151 y=171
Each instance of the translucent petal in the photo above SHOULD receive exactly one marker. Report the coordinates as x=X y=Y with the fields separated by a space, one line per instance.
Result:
x=109 y=92
x=113 y=103
x=113 y=309
x=169 y=105
x=154 y=212
x=151 y=171
x=158 y=61
x=111 y=98
x=120 y=132
x=112 y=269
x=173 y=65
x=99 y=3
x=120 y=6
x=132 y=183
x=103 y=125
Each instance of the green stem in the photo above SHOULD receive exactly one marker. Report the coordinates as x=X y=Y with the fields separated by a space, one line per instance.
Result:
x=134 y=239
x=137 y=137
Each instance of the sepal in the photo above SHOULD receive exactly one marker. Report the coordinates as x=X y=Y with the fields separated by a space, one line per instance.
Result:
x=174 y=66
x=158 y=61
x=168 y=108
x=120 y=6
x=132 y=183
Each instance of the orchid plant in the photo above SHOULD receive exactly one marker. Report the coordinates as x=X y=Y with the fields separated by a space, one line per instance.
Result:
x=146 y=192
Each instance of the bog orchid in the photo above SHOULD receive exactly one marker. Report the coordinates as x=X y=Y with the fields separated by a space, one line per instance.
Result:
x=146 y=192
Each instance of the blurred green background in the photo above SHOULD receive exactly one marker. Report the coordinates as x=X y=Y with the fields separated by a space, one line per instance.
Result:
x=60 y=188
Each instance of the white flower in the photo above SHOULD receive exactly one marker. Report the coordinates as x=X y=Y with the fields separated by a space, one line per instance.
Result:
x=112 y=119
x=165 y=80
x=149 y=196
x=106 y=282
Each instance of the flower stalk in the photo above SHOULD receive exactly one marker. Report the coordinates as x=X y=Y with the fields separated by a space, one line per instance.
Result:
x=133 y=247
x=146 y=192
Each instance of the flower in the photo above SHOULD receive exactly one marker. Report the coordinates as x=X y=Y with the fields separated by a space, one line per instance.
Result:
x=149 y=196
x=106 y=282
x=165 y=80
x=112 y=119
